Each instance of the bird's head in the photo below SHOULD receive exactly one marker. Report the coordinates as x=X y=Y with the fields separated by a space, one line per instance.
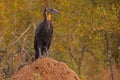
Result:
x=48 y=11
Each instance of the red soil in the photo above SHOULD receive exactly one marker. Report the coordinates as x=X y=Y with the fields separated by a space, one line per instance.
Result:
x=47 y=69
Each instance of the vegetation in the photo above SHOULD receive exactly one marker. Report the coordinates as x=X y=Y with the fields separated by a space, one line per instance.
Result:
x=86 y=35
x=37 y=76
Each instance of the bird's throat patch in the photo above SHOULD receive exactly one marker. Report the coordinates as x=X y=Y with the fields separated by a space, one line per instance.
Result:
x=48 y=16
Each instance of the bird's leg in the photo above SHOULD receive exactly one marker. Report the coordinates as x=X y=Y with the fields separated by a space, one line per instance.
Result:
x=46 y=51
x=40 y=54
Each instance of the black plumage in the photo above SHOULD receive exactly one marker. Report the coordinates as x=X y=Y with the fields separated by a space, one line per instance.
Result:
x=43 y=33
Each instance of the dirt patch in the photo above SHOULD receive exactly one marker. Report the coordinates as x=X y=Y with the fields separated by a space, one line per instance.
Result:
x=46 y=69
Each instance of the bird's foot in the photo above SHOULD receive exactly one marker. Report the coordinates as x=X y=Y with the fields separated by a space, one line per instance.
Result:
x=47 y=55
x=43 y=56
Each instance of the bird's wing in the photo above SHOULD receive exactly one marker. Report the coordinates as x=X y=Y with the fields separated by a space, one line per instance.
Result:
x=38 y=29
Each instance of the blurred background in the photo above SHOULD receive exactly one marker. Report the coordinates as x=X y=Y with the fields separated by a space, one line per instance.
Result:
x=86 y=36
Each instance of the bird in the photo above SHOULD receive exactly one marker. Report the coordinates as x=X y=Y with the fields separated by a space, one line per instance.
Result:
x=44 y=33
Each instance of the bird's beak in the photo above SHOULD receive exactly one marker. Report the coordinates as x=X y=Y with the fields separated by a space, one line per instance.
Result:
x=55 y=11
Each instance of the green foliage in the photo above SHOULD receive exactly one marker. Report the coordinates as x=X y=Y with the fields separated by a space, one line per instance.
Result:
x=37 y=76
x=79 y=30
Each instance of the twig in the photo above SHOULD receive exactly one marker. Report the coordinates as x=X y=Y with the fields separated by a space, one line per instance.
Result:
x=1 y=39
x=70 y=52
x=3 y=30
x=1 y=78
x=46 y=3
x=18 y=40
x=109 y=53
x=21 y=34
x=91 y=52
x=81 y=59
x=34 y=25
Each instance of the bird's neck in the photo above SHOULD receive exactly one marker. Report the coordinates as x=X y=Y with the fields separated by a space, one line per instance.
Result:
x=48 y=17
x=47 y=22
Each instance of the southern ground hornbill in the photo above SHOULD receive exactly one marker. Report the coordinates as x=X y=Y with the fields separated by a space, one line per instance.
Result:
x=43 y=33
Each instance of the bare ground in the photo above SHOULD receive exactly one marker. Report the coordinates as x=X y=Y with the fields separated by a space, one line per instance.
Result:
x=46 y=69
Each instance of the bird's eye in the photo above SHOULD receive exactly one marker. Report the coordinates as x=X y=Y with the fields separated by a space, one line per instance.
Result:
x=51 y=9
